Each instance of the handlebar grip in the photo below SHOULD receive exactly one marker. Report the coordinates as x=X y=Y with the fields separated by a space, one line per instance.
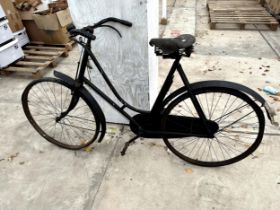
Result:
x=70 y=27
x=124 y=22
x=113 y=19
x=83 y=33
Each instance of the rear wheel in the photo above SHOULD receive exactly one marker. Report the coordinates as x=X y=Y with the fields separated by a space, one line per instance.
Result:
x=45 y=99
x=241 y=126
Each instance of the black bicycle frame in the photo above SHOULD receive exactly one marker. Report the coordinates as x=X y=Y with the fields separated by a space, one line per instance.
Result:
x=157 y=107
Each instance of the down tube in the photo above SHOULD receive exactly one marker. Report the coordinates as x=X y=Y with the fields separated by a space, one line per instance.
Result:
x=110 y=101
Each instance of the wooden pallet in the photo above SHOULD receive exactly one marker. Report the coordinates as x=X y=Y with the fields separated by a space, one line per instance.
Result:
x=274 y=5
x=241 y=12
x=37 y=57
x=68 y=46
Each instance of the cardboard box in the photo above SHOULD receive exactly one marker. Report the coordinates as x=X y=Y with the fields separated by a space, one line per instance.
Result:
x=12 y=14
x=27 y=15
x=58 y=5
x=32 y=3
x=53 y=22
x=60 y=36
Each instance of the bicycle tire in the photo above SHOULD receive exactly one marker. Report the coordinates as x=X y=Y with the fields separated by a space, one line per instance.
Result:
x=43 y=101
x=249 y=145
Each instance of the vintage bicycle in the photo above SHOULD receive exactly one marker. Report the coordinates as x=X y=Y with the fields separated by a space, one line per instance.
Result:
x=208 y=123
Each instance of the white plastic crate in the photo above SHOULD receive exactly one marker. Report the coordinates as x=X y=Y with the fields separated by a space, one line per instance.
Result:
x=5 y=32
x=10 y=53
x=2 y=13
x=22 y=37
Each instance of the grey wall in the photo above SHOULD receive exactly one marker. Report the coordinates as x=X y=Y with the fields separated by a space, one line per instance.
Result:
x=129 y=62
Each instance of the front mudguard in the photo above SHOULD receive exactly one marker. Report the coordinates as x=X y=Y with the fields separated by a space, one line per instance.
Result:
x=226 y=84
x=92 y=101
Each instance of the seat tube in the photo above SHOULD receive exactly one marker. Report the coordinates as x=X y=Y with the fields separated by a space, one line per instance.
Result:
x=165 y=87
x=193 y=97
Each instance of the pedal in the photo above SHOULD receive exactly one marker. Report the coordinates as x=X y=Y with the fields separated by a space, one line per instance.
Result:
x=127 y=145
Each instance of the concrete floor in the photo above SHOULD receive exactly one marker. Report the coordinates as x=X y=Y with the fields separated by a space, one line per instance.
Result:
x=36 y=175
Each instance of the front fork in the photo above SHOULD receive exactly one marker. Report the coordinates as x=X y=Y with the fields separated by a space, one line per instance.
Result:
x=78 y=84
x=74 y=101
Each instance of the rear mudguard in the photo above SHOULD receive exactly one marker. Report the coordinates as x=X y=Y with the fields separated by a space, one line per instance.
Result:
x=225 y=84
x=92 y=101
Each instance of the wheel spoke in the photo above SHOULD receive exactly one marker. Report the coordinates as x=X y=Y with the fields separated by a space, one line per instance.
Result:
x=219 y=98
x=45 y=101
x=241 y=118
x=222 y=118
x=238 y=121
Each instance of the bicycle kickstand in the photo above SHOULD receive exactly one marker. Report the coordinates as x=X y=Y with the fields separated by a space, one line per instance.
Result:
x=127 y=145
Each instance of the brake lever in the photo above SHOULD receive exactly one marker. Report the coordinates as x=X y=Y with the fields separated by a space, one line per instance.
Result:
x=108 y=26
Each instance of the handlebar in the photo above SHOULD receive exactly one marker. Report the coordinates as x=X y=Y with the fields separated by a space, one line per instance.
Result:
x=87 y=32
x=112 y=19
x=84 y=33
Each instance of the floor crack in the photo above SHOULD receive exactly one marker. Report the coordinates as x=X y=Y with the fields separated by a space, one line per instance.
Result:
x=91 y=203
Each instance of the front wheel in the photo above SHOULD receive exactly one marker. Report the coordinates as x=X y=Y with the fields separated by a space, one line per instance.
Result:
x=43 y=102
x=241 y=126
